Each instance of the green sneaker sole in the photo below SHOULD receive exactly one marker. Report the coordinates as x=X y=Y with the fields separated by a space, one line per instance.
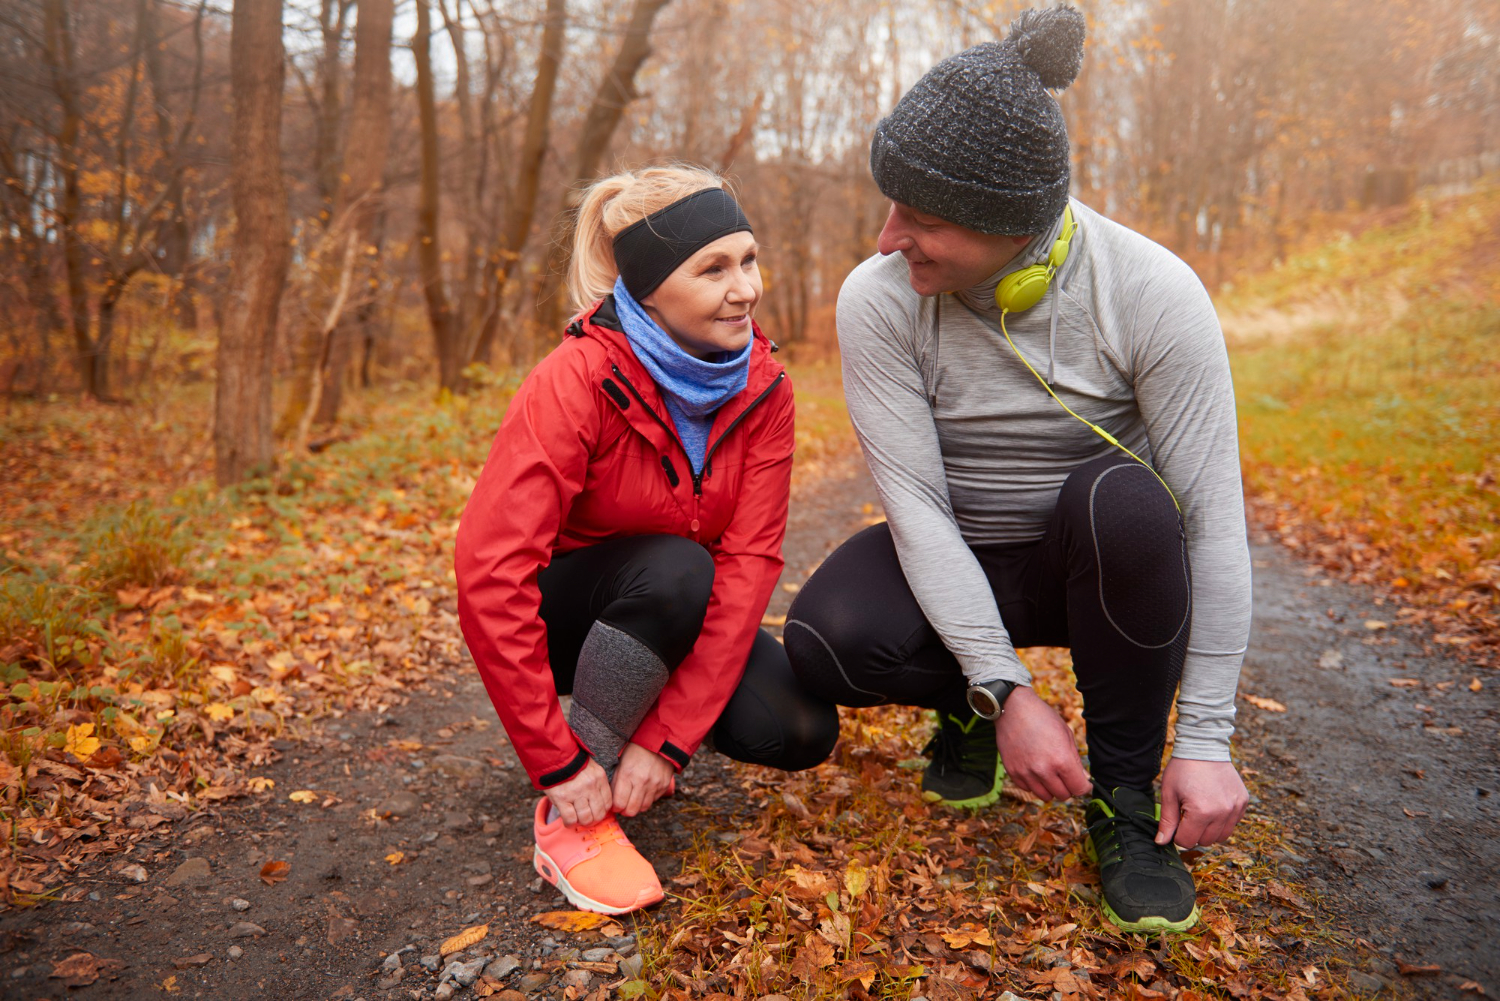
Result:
x=975 y=802
x=1150 y=926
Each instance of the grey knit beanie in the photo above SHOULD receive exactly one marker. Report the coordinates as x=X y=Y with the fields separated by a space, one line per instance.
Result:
x=978 y=140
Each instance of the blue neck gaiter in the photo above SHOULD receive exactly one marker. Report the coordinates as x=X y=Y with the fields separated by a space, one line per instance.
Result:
x=692 y=388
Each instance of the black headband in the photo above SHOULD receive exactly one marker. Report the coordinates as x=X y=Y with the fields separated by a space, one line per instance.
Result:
x=649 y=250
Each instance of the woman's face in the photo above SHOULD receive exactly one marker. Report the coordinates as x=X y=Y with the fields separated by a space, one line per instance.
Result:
x=706 y=304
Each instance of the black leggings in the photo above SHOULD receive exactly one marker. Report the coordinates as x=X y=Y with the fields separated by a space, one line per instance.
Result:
x=656 y=588
x=1109 y=579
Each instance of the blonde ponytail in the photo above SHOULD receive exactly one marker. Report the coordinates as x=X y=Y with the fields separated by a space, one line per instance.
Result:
x=615 y=202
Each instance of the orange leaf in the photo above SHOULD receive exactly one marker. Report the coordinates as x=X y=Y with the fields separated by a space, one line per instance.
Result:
x=1408 y=970
x=274 y=871
x=1269 y=705
x=570 y=921
x=1404 y=682
x=464 y=939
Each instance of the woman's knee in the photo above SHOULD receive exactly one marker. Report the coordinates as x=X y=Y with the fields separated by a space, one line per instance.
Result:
x=664 y=605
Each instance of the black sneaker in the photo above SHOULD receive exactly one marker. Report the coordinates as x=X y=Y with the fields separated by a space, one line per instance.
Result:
x=1147 y=888
x=965 y=769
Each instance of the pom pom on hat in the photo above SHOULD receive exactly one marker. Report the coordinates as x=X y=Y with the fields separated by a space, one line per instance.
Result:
x=1051 y=43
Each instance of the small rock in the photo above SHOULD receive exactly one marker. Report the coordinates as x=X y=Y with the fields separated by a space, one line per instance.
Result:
x=19 y=972
x=851 y=818
x=597 y=955
x=94 y=896
x=1366 y=982
x=78 y=928
x=235 y=952
x=392 y=979
x=630 y=966
x=578 y=978
x=464 y=973
x=1434 y=880
x=621 y=944
x=535 y=886
x=238 y=903
x=456 y=821
x=483 y=868
x=432 y=962
x=193 y=872
x=531 y=982
x=245 y=929
x=480 y=880
x=428 y=837
x=444 y=991
x=198 y=835
x=503 y=967
x=458 y=767
x=391 y=963
x=401 y=804
x=547 y=942
x=135 y=872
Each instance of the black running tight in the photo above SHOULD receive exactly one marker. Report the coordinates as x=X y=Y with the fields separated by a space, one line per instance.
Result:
x=1109 y=579
x=654 y=589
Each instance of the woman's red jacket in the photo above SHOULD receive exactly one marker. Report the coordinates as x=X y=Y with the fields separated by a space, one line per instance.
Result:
x=587 y=452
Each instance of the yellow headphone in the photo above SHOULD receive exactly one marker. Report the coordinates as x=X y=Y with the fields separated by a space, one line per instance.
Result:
x=1020 y=290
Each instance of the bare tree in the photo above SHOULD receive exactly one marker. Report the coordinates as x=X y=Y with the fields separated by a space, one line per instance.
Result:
x=243 y=443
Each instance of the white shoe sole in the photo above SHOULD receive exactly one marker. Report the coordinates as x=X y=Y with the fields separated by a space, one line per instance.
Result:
x=552 y=873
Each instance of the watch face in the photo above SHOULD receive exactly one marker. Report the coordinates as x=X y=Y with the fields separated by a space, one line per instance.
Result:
x=983 y=702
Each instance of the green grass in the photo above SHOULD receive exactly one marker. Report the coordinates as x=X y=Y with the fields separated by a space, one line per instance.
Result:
x=1378 y=420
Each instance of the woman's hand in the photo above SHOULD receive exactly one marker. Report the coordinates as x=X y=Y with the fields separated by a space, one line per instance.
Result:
x=584 y=798
x=1201 y=801
x=1037 y=748
x=641 y=779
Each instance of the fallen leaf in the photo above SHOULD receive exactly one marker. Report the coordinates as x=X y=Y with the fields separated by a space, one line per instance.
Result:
x=80 y=741
x=471 y=936
x=1374 y=624
x=1281 y=892
x=218 y=712
x=135 y=872
x=818 y=951
x=1472 y=987
x=1404 y=682
x=82 y=969
x=259 y=783
x=274 y=871
x=303 y=796
x=1134 y=964
x=1414 y=814
x=856 y=881
x=570 y=921
x=187 y=961
x=170 y=984
x=1475 y=685
x=396 y=858
x=1410 y=970
x=1269 y=705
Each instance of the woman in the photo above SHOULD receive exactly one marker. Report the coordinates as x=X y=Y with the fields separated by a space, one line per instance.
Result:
x=625 y=535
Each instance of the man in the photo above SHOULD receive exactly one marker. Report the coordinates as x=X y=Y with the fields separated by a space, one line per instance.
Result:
x=1032 y=449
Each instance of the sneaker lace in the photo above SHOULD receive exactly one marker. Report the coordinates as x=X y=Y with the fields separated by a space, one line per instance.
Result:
x=1134 y=833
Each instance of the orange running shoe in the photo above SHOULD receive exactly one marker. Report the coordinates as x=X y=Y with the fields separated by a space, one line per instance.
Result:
x=595 y=866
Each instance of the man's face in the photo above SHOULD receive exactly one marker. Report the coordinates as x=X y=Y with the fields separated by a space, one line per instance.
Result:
x=944 y=256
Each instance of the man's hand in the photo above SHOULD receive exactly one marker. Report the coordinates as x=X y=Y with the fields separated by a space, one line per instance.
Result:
x=1201 y=801
x=1038 y=749
x=641 y=779
x=584 y=798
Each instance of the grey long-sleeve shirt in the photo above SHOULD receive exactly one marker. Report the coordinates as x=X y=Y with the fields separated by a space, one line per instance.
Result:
x=967 y=448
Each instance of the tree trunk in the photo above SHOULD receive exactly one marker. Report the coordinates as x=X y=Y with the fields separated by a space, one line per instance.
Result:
x=616 y=91
x=360 y=197
x=440 y=317
x=59 y=53
x=528 y=171
x=243 y=444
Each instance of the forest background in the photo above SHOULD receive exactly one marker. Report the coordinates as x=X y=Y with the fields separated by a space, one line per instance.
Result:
x=269 y=271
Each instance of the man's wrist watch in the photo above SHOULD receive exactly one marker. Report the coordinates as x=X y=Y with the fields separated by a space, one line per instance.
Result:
x=988 y=699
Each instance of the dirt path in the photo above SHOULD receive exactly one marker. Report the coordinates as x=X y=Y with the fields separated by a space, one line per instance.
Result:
x=1390 y=792
x=462 y=824
x=1342 y=765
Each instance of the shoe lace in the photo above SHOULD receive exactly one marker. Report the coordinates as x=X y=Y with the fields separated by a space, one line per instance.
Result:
x=951 y=745
x=1130 y=835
